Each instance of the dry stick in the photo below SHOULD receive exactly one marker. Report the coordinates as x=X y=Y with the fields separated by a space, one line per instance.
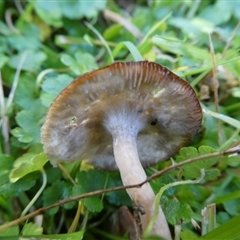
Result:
x=209 y=74
x=230 y=39
x=232 y=151
x=2 y=101
x=122 y=21
x=19 y=6
x=8 y=19
x=62 y=202
x=215 y=89
x=5 y=107
x=4 y=122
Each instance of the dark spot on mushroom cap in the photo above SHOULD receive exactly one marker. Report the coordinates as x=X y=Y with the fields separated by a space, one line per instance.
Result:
x=76 y=124
x=154 y=122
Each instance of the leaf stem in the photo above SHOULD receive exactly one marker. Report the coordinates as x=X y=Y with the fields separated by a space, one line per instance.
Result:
x=44 y=183
x=93 y=29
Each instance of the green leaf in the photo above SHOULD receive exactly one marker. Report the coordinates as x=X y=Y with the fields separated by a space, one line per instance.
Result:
x=235 y=123
x=29 y=163
x=212 y=174
x=32 y=62
x=192 y=170
x=31 y=229
x=29 y=121
x=47 y=99
x=21 y=135
x=12 y=234
x=90 y=181
x=4 y=29
x=25 y=97
x=6 y=163
x=52 y=86
x=193 y=28
x=53 y=174
x=232 y=207
x=177 y=47
x=9 y=232
x=227 y=231
x=3 y=59
x=155 y=27
x=131 y=47
x=55 y=84
x=176 y=211
x=57 y=191
x=224 y=9
x=77 y=8
x=117 y=198
x=93 y=204
x=134 y=51
x=8 y=189
x=112 y=31
x=49 y=13
x=82 y=63
x=188 y=235
x=228 y=197
x=189 y=193
x=68 y=236
x=21 y=43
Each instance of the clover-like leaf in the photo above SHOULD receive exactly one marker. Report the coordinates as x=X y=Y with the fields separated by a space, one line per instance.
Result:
x=57 y=191
x=32 y=62
x=49 y=13
x=192 y=170
x=21 y=135
x=29 y=163
x=90 y=181
x=29 y=122
x=8 y=189
x=82 y=63
x=77 y=8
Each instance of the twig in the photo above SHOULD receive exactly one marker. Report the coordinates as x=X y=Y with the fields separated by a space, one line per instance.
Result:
x=230 y=39
x=193 y=9
x=122 y=21
x=19 y=6
x=16 y=80
x=8 y=19
x=235 y=150
x=62 y=202
x=215 y=89
x=232 y=151
x=2 y=101
x=4 y=123
x=5 y=107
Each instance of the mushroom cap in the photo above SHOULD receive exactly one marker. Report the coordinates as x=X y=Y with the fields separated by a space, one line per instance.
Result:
x=163 y=104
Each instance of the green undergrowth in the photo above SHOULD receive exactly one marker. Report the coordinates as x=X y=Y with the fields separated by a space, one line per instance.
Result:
x=44 y=46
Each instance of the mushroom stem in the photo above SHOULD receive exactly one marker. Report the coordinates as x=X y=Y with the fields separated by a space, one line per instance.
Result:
x=132 y=172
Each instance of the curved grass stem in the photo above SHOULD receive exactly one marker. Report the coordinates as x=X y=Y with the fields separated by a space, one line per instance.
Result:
x=44 y=183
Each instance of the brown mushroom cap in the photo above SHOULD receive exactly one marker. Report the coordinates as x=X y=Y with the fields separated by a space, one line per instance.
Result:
x=160 y=107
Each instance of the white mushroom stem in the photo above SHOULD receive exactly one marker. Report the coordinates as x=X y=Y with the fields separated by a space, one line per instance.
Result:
x=132 y=172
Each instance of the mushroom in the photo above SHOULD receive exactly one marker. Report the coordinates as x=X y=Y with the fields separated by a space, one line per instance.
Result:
x=125 y=116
